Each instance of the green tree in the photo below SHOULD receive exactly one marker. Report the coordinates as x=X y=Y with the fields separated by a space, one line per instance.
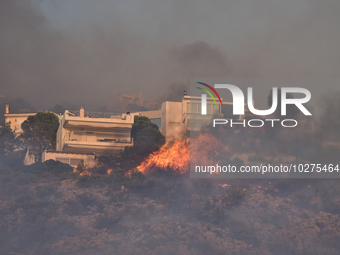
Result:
x=146 y=136
x=7 y=138
x=40 y=132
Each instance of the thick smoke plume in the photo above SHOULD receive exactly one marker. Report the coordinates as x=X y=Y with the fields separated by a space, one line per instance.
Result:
x=82 y=51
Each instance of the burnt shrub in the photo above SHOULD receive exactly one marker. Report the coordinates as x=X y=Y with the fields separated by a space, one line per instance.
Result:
x=234 y=196
x=138 y=182
x=137 y=213
x=45 y=191
x=283 y=244
x=329 y=195
x=107 y=221
x=277 y=219
x=325 y=191
x=303 y=200
x=87 y=201
x=244 y=232
x=48 y=167
x=331 y=206
x=28 y=201
x=202 y=185
x=286 y=187
x=206 y=208
x=85 y=181
x=57 y=167
x=73 y=207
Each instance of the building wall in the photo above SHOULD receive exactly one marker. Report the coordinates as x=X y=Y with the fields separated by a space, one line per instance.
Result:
x=73 y=159
x=150 y=114
x=172 y=126
x=15 y=120
x=101 y=136
x=154 y=116
x=178 y=118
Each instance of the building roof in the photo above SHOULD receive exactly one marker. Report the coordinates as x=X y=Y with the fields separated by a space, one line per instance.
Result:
x=19 y=114
x=95 y=114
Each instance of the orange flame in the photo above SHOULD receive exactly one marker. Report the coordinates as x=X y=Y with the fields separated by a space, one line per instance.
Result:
x=175 y=156
x=82 y=172
x=224 y=185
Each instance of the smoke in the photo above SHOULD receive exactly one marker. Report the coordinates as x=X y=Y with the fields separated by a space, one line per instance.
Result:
x=328 y=123
x=174 y=92
x=81 y=52
x=200 y=59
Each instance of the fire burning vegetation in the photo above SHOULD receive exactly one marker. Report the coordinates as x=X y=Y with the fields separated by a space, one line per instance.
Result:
x=46 y=209
x=83 y=171
x=120 y=208
x=174 y=156
x=128 y=205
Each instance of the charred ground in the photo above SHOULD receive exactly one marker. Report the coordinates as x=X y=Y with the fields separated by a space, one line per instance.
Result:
x=48 y=209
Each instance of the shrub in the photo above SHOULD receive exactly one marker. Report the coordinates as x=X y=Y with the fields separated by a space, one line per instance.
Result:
x=246 y=233
x=202 y=185
x=205 y=208
x=45 y=191
x=105 y=221
x=234 y=196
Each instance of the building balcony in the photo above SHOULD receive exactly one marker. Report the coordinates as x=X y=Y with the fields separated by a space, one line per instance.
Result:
x=112 y=124
x=103 y=147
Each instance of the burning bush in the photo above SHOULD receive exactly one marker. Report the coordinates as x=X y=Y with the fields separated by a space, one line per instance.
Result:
x=175 y=156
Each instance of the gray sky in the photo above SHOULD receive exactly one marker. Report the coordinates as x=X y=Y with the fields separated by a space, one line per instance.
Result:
x=81 y=50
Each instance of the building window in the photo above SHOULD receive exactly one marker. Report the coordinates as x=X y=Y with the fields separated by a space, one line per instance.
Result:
x=116 y=137
x=63 y=160
x=76 y=161
x=194 y=107
x=77 y=136
x=212 y=109
x=156 y=121
x=227 y=111
x=174 y=124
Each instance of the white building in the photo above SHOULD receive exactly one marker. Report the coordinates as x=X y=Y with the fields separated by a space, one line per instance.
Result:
x=179 y=118
x=15 y=120
x=73 y=159
x=101 y=136
x=80 y=137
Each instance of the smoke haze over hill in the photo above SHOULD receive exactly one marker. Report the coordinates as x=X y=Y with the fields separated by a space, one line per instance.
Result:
x=81 y=51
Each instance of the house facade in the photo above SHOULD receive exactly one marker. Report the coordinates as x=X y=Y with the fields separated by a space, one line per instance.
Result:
x=15 y=120
x=73 y=159
x=100 y=136
x=179 y=118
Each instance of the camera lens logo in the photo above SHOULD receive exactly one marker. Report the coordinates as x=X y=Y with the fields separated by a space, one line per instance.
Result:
x=204 y=97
